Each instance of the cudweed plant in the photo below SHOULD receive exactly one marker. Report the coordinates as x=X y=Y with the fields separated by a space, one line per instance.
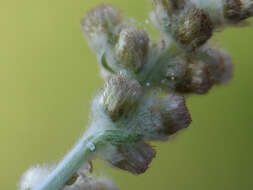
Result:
x=143 y=96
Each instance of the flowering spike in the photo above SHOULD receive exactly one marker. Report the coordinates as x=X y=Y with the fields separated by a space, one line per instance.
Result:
x=143 y=98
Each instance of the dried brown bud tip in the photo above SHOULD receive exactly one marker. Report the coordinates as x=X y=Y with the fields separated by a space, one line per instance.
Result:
x=135 y=158
x=174 y=112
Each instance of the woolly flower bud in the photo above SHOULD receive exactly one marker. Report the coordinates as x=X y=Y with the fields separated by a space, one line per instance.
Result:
x=156 y=118
x=232 y=9
x=192 y=28
x=33 y=177
x=237 y=10
x=175 y=114
x=196 y=79
x=214 y=8
x=134 y=158
x=222 y=11
x=164 y=9
x=178 y=4
x=174 y=72
x=167 y=6
x=213 y=66
x=119 y=95
x=132 y=47
x=100 y=25
x=219 y=65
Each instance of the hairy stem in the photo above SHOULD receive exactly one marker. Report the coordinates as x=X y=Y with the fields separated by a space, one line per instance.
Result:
x=81 y=153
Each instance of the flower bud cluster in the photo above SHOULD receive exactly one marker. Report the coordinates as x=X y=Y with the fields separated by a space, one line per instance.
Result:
x=129 y=107
x=143 y=97
x=145 y=82
x=118 y=44
x=192 y=23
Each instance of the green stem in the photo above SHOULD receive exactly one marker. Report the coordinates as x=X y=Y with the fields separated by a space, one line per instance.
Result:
x=82 y=152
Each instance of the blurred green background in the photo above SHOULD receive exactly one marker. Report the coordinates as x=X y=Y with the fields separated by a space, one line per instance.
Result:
x=48 y=76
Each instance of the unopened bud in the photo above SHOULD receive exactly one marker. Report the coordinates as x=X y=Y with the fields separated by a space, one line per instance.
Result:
x=119 y=95
x=196 y=79
x=174 y=72
x=237 y=10
x=232 y=9
x=219 y=65
x=101 y=25
x=134 y=158
x=178 y=4
x=163 y=11
x=132 y=48
x=192 y=28
x=175 y=115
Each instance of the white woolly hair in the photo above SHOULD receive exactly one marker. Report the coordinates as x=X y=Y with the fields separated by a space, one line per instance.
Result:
x=92 y=183
x=34 y=176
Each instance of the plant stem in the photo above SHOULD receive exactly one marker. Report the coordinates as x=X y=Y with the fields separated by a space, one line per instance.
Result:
x=81 y=153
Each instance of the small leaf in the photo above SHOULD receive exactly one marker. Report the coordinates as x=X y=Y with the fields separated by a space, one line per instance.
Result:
x=105 y=65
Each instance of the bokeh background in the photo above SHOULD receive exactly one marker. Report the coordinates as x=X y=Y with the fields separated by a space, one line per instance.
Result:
x=48 y=76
